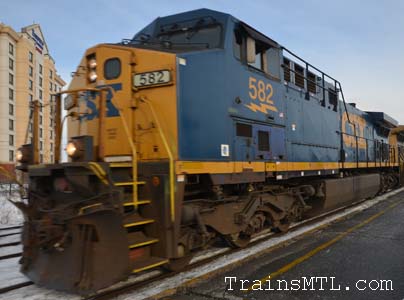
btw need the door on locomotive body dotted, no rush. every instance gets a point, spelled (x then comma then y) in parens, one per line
(268, 142)
(243, 142)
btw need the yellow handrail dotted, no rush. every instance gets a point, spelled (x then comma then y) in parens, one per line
(134, 157)
(171, 158)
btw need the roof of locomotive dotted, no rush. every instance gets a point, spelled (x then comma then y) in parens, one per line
(209, 15)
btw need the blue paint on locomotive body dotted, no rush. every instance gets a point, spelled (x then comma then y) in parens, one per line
(215, 93)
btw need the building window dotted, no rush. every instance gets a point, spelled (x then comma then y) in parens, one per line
(10, 124)
(11, 155)
(51, 134)
(51, 146)
(11, 48)
(40, 133)
(40, 120)
(11, 64)
(40, 158)
(30, 98)
(10, 78)
(11, 94)
(30, 56)
(40, 94)
(50, 86)
(30, 71)
(40, 69)
(40, 81)
(50, 74)
(11, 140)
(30, 84)
(11, 109)
(40, 145)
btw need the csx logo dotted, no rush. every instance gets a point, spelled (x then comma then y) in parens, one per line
(261, 91)
(91, 103)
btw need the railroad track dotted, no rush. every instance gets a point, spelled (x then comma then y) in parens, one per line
(266, 234)
(10, 227)
(149, 277)
(7, 239)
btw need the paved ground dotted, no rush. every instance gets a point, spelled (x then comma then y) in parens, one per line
(358, 258)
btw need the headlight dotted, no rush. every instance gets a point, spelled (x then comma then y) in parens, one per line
(24, 154)
(92, 76)
(18, 155)
(92, 63)
(71, 149)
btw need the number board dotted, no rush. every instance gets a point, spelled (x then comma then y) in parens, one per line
(151, 78)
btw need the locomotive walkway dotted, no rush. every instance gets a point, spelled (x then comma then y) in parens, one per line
(361, 257)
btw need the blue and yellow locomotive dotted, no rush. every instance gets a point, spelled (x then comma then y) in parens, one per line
(199, 128)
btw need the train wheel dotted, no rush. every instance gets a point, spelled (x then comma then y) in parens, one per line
(282, 225)
(296, 212)
(177, 264)
(238, 240)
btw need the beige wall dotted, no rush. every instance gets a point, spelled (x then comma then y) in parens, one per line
(45, 81)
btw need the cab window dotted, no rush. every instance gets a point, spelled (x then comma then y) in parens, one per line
(257, 51)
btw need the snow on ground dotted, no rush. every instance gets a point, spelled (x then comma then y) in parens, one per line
(10, 250)
(10, 272)
(10, 239)
(9, 214)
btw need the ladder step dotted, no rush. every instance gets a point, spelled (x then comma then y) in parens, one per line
(144, 242)
(136, 220)
(140, 202)
(121, 165)
(139, 223)
(129, 183)
(149, 263)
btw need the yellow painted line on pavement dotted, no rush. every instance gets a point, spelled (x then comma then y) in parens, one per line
(321, 247)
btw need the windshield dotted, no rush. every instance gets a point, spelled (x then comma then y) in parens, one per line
(206, 37)
(201, 33)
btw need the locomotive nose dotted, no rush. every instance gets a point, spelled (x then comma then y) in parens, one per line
(97, 239)
(73, 237)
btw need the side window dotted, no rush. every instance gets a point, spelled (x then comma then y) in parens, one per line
(333, 99)
(237, 44)
(286, 69)
(260, 50)
(273, 59)
(299, 76)
(263, 140)
(311, 83)
(257, 51)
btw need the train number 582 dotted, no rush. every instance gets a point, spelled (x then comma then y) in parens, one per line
(259, 89)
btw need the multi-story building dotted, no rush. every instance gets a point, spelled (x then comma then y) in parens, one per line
(27, 73)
